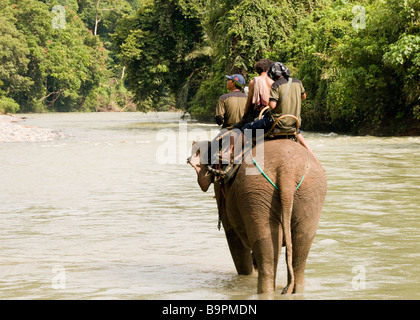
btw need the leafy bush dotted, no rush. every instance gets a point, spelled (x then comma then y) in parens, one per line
(360, 80)
(8, 105)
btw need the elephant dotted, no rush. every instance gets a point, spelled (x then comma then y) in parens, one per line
(262, 210)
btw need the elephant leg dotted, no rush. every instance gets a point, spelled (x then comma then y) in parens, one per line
(299, 262)
(303, 236)
(266, 252)
(267, 265)
(241, 255)
(301, 245)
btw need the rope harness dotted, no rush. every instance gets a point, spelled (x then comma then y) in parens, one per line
(269, 180)
(222, 173)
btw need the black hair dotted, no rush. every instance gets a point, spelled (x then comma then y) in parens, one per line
(263, 65)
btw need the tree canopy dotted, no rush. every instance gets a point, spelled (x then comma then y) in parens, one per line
(359, 60)
(51, 60)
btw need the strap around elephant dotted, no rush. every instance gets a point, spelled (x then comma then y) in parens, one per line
(268, 179)
(262, 172)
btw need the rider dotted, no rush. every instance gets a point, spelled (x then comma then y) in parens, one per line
(229, 111)
(259, 93)
(286, 97)
(258, 96)
(231, 106)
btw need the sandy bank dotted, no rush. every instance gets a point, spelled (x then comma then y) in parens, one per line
(13, 129)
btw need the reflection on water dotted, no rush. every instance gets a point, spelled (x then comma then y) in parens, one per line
(97, 216)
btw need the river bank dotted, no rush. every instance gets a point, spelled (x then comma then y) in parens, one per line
(13, 129)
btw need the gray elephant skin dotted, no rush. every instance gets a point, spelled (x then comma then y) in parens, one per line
(259, 217)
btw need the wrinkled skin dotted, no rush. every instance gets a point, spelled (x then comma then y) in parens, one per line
(258, 219)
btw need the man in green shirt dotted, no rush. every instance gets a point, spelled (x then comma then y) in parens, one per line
(286, 97)
(229, 110)
(231, 106)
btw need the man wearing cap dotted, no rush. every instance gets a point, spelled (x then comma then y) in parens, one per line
(229, 110)
(230, 107)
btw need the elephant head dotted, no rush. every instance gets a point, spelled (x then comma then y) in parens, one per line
(199, 162)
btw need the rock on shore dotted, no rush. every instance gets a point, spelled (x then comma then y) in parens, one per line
(12, 130)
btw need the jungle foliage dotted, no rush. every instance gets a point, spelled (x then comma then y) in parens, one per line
(362, 74)
(61, 66)
(358, 60)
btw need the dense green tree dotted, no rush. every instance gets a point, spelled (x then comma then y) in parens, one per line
(14, 60)
(240, 33)
(55, 67)
(102, 17)
(184, 48)
(158, 46)
(52, 62)
(359, 63)
(359, 60)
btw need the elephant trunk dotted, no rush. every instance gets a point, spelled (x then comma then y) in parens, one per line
(203, 176)
(204, 179)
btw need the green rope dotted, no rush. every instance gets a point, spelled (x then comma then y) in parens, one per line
(300, 182)
(265, 176)
(262, 172)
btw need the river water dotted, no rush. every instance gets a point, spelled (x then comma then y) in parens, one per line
(114, 212)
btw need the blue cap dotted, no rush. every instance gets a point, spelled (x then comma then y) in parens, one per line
(239, 79)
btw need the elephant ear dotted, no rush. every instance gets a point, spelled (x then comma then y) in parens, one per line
(195, 149)
(199, 149)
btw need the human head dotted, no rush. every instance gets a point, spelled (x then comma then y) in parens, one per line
(237, 79)
(263, 65)
(277, 70)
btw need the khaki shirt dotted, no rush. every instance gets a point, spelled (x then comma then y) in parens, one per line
(292, 104)
(231, 107)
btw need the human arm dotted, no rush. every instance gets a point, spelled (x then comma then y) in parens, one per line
(303, 94)
(220, 112)
(274, 97)
(219, 120)
(250, 94)
(272, 104)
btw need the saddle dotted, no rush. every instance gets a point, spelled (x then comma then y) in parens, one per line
(278, 132)
(228, 171)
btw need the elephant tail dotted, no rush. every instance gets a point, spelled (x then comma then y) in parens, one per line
(287, 232)
(287, 195)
